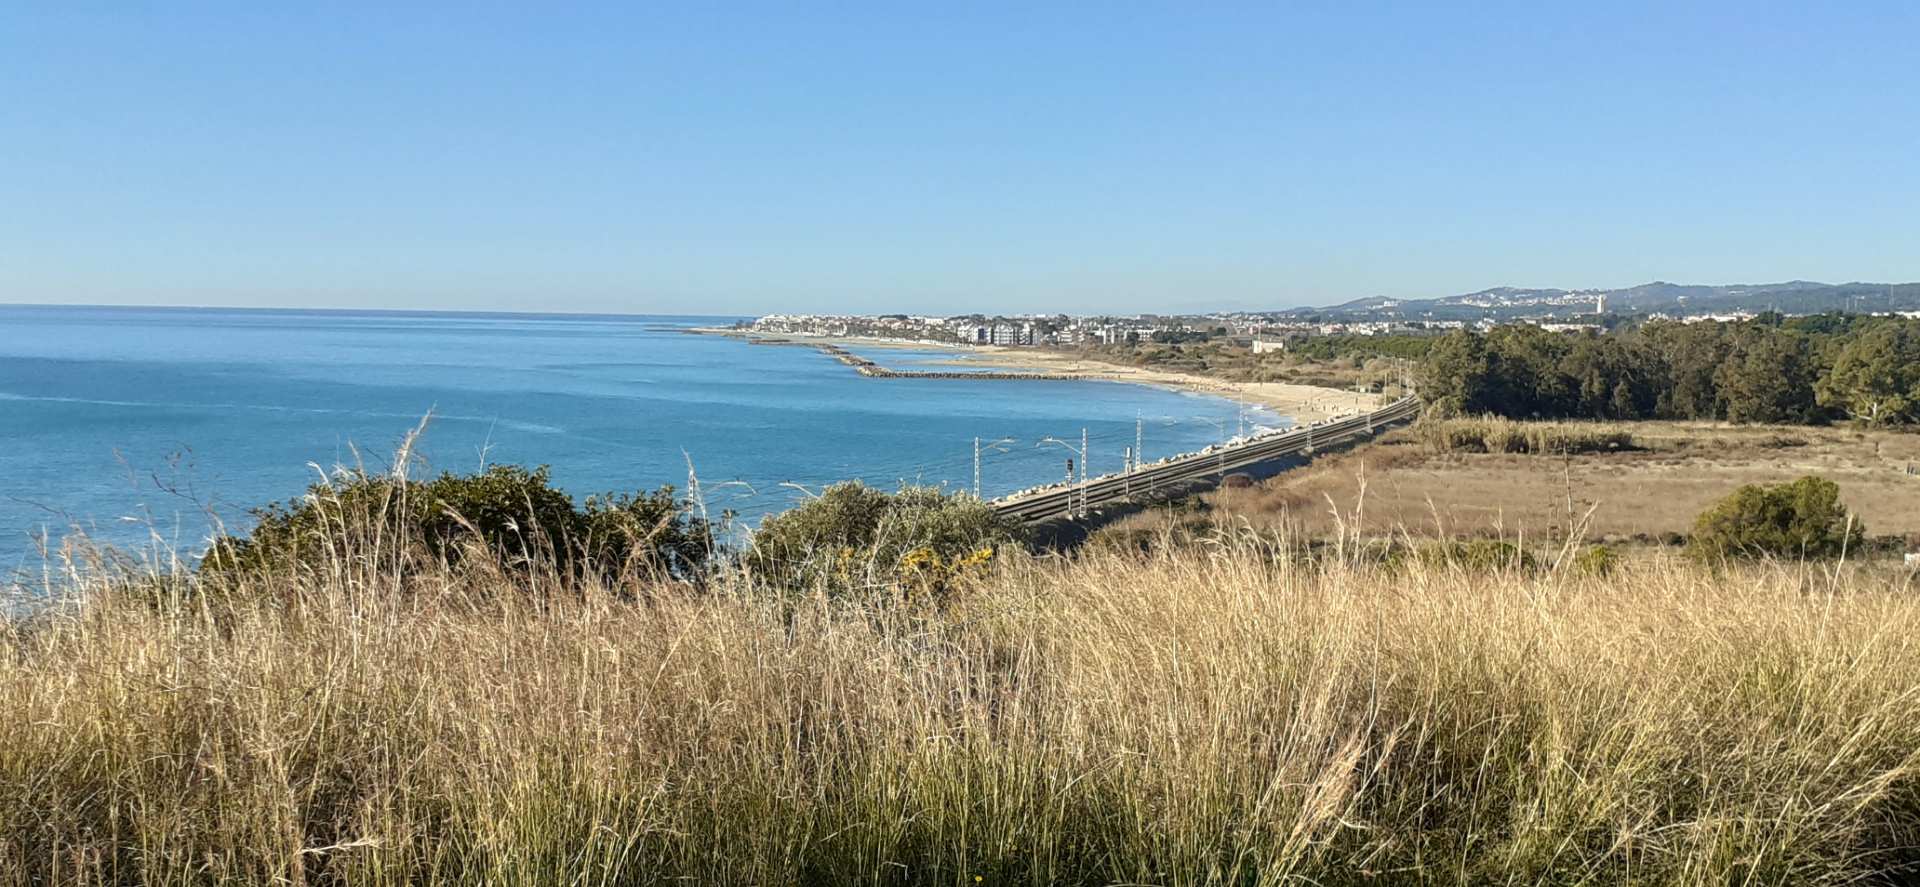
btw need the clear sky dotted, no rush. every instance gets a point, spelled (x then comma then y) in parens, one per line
(945, 157)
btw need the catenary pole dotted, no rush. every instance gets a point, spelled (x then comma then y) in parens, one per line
(976, 468)
(1083, 471)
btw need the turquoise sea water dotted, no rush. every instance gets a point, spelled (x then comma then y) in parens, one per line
(135, 423)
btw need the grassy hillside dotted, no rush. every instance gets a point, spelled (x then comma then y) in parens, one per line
(1222, 715)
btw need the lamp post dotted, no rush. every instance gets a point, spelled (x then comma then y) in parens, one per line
(1139, 442)
(1220, 455)
(996, 446)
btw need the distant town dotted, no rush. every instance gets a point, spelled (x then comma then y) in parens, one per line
(1064, 330)
(1557, 310)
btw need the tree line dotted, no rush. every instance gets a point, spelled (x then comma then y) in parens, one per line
(1772, 369)
(1401, 345)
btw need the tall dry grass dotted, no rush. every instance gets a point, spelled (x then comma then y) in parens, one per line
(1225, 715)
(1497, 434)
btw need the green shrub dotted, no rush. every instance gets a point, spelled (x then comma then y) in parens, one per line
(1596, 560)
(1477, 556)
(1802, 519)
(506, 512)
(856, 539)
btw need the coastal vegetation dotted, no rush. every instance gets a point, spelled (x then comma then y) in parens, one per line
(1639, 483)
(473, 679)
(506, 515)
(1237, 713)
(1345, 362)
(1495, 434)
(1802, 519)
(854, 540)
(850, 540)
(1771, 369)
(1804, 370)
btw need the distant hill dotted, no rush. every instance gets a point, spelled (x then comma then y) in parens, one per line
(1658, 297)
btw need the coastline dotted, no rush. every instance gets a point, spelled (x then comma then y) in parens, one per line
(804, 339)
(1301, 403)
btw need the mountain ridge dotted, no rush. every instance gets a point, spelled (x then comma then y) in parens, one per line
(1654, 297)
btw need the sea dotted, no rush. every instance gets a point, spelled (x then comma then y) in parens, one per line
(144, 428)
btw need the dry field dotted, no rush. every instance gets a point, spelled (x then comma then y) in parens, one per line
(1677, 472)
(1229, 716)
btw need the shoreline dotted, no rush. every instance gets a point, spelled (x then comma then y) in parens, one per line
(1302, 403)
(804, 339)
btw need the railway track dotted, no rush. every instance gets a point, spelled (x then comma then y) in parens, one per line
(1119, 487)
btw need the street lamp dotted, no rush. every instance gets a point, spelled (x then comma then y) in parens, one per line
(997, 446)
(808, 493)
(1220, 454)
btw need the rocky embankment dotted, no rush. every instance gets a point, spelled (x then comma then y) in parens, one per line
(870, 369)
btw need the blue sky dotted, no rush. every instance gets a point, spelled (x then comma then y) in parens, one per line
(745, 158)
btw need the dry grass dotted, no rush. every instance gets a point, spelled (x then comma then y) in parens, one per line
(1495, 434)
(1221, 716)
(1676, 471)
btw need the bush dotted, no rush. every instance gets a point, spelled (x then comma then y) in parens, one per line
(856, 539)
(1596, 560)
(1802, 519)
(1477, 556)
(507, 513)
(1492, 434)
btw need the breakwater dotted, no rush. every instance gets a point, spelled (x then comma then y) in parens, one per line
(873, 370)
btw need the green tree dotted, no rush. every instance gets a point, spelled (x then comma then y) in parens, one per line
(1802, 519)
(1831, 323)
(1768, 376)
(1454, 377)
(1527, 373)
(1617, 379)
(1876, 376)
(1690, 355)
(1758, 371)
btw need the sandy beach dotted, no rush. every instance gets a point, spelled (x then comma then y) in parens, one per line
(1304, 403)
